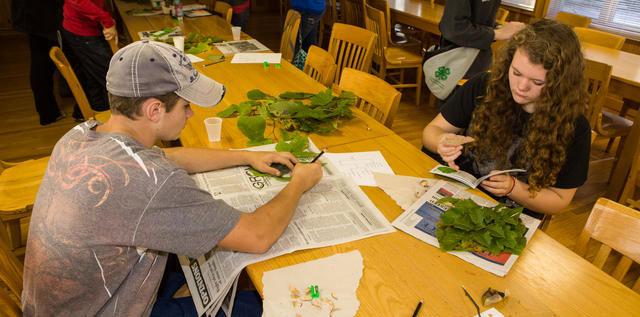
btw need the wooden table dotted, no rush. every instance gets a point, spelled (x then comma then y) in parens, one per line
(421, 14)
(625, 82)
(400, 270)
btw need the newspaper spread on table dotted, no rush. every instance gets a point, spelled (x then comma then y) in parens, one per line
(334, 211)
(421, 218)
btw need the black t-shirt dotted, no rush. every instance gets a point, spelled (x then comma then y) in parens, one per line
(458, 111)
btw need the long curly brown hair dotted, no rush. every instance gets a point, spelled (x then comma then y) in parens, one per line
(551, 127)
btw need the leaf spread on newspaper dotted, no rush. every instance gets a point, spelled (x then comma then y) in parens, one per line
(421, 220)
(334, 211)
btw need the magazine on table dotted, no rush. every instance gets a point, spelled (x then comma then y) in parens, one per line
(242, 46)
(421, 220)
(467, 178)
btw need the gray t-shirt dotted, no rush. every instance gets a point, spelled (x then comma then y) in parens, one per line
(107, 213)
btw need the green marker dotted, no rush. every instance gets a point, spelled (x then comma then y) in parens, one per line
(277, 66)
(265, 65)
(313, 289)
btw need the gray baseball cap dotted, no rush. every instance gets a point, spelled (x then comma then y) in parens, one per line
(148, 68)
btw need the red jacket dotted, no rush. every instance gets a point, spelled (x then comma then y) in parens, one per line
(86, 17)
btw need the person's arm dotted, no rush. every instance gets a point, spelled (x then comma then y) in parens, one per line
(256, 232)
(549, 200)
(195, 160)
(434, 134)
(93, 11)
(457, 26)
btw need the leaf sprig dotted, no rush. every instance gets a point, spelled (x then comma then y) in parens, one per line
(466, 226)
(294, 111)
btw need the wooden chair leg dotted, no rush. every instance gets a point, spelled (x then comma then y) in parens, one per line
(418, 85)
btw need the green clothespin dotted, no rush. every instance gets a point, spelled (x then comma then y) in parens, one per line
(313, 289)
(277, 66)
(265, 65)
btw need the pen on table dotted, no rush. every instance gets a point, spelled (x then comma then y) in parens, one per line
(417, 310)
(317, 157)
(216, 62)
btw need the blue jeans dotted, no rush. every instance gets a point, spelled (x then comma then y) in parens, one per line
(247, 303)
(309, 24)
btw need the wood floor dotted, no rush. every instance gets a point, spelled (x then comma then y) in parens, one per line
(21, 136)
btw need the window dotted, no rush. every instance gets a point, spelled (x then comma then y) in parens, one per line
(616, 16)
(527, 5)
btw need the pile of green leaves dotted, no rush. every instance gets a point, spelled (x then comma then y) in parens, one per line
(194, 42)
(315, 113)
(466, 226)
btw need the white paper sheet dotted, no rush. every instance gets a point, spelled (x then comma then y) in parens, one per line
(337, 278)
(490, 313)
(194, 59)
(359, 166)
(256, 58)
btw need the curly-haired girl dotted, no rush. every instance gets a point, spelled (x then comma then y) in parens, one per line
(527, 112)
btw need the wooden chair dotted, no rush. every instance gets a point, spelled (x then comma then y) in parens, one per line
(618, 228)
(224, 10)
(628, 196)
(290, 35)
(573, 20)
(598, 37)
(10, 279)
(19, 184)
(501, 16)
(604, 123)
(352, 12)
(61, 62)
(388, 57)
(320, 66)
(378, 99)
(351, 47)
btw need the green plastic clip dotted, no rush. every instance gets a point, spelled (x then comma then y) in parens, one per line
(277, 66)
(313, 289)
(265, 65)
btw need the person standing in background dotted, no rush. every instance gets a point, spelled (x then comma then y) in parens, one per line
(471, 23)
(86, 28)
(40, 20)
(311, 12)
(241, 10)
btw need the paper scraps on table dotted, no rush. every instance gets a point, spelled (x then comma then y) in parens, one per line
(337, 278)
(404, 190)
(256, 58)
(360, 166)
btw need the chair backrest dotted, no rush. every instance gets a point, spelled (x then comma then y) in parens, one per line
(501, 16)
(224, 10)
(352, 12)
(290, 35)
(573, 20)
(382, 5)
(320, 66)
(376, 23)
(61, 62)
(632, 183)
(377, 98)
(597, 77)
(351, 47)
(598, 37)
(617, 227)
(11, 276)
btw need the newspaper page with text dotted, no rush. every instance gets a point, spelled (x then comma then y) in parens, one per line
(335, 211)
(421, 219)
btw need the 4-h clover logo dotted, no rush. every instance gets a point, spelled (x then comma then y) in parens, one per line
(443, 72)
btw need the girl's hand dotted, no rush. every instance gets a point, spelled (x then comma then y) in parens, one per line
(499, 185)
(449, 153)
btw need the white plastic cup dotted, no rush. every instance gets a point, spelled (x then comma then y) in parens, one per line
(156, 4)
(235, 30)
(214, 128)
(178, 42)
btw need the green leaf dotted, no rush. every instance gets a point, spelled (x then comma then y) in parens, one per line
(253, 128)
(257, 94)
(446, 169)
(295, 95)
(285, 108)
(245, 107)
(231, 110)
(322, 98)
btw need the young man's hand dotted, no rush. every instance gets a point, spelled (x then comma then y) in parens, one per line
(262, 161)
(306, 175)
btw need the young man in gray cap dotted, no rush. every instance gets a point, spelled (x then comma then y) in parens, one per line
(112, 206)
